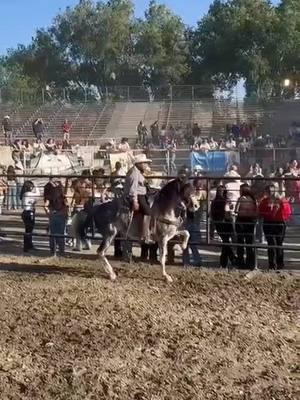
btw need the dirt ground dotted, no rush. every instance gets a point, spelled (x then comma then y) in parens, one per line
(68, 333)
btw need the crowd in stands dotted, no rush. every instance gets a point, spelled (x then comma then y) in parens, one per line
(242, 137)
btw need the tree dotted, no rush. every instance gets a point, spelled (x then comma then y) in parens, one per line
(161, 49)
(88, 44)
(248, 39)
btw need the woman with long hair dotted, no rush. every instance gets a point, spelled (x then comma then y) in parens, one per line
(29, 195)
(246, 217)
(222, 219)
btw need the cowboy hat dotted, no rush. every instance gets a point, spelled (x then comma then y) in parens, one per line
(141, 158)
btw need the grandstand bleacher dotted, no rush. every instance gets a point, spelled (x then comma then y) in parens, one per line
(93, 122)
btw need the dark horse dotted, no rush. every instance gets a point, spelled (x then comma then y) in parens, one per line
(115, 216)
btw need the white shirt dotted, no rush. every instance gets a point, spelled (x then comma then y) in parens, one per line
(135, 183)
(231, 144)
(30, 199)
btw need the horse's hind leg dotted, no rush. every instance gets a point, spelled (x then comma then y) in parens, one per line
(186, 237)
(107, 239)
(163, 249)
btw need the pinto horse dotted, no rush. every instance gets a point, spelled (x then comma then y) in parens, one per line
(169, 210)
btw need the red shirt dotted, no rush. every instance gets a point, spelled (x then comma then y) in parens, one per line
(66, 127)
(280, 211)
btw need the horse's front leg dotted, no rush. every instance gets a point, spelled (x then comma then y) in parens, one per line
(107, 239)
(186, 237)
(163, 249)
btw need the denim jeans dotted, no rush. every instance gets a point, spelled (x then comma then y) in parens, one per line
(12, 195)
(18, 193)
(195, 236)
(57, 227)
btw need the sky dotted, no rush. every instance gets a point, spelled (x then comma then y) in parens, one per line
(21, 18)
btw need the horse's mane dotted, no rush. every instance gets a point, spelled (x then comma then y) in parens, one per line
(169, 196)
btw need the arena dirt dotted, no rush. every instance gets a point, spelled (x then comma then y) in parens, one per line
(68, 333)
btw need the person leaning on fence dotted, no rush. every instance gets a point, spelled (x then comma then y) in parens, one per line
(275, 212)
(246, 217)
(222, 218)
(29, 196)
(57, 210)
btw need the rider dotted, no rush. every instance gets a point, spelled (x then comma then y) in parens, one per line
(135, 189)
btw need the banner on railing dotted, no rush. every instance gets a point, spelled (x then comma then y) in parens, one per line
(214, 161)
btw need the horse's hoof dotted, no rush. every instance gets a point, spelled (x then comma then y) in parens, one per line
(168, 278)
(113, 277)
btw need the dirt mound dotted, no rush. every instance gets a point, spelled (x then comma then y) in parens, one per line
(68, 333)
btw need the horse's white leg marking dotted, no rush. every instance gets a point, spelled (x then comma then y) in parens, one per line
(163, 248)
(107, 242)
(186, 237)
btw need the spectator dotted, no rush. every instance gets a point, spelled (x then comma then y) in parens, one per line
(196, 132)
(66, 127)
(38, 147)
(26, 153)
(204, 146)
(38, 128)
(12, 188)
(51, 146)
(222, 221)
(19, 171)
(117, 184)
(222, 145)
(246, 212)
(57, 210)
(244, 145)
(213, 144)
(235, 130)
(3, 190)
(245, 131)
(124, 146)
(7, 130)
(29, 195)
(233, 186)
(275, 212)
(171, 155)
(154, 129)
(230, 144)
(192, 225)
(142, 133)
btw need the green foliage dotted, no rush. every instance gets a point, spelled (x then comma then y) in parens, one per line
(100, 44)
(248, 39)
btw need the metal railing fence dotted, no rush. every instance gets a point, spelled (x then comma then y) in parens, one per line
(290, 242)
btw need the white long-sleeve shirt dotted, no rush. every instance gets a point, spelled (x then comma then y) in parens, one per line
(30, 199)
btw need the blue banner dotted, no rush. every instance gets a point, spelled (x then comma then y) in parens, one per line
(214, 161)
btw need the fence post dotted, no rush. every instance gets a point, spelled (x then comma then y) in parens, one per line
(85, 96)
(171, 93)
(128, 93)
(93, 201)
(193, 93)
(43, 95)
(207, 211)
(64, 94)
